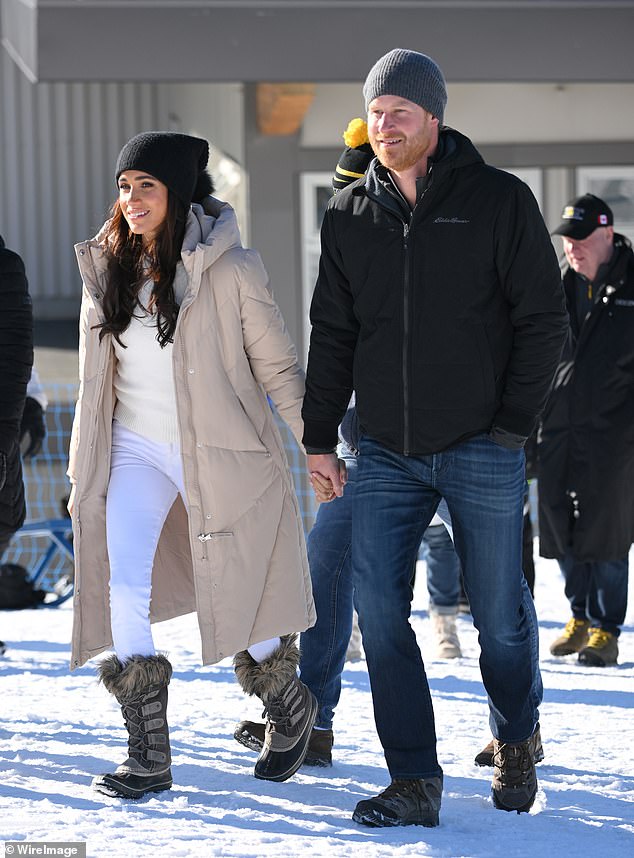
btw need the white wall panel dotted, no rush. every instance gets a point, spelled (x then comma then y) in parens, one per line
(58, 145)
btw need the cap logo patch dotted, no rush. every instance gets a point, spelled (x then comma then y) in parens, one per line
(572, 213)
(603, 220)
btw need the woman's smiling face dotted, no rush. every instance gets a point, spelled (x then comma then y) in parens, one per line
(143, 203)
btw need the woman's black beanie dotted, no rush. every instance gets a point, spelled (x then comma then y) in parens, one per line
(177, 160)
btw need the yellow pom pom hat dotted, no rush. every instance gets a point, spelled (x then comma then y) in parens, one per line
(355, 158)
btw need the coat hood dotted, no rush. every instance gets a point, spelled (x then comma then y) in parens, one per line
(211, 228)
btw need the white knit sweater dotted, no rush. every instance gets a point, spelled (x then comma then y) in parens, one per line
(144, 380)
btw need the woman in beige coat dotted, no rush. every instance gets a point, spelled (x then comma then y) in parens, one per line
(182, 499)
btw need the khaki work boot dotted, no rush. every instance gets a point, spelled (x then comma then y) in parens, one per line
(485, 757)
(601, 650)
(573, 639)
(445, 634)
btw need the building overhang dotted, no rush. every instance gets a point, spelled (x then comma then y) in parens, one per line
(317, 40)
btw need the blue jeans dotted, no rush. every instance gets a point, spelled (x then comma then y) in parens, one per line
(443, 569)
(323, 647)
(597, 591)
(394, 500)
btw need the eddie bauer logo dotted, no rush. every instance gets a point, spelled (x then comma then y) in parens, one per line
(450, 220)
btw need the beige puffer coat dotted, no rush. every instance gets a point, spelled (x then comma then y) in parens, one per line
(239, 557)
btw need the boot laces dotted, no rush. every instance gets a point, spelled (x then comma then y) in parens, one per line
(401, 791)
(513, 763)
(599, 638)
(133, 719)
(573, 626)
(279, 710)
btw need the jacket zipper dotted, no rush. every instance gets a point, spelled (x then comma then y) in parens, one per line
(406, 326)
(406, 315)
(406, 300)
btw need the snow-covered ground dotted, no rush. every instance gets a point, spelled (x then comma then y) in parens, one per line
(57, 730)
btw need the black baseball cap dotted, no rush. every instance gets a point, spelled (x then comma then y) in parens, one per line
(582, 216)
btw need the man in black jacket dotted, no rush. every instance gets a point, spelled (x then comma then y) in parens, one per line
(16, 360)
(586, 450)
(439, 301)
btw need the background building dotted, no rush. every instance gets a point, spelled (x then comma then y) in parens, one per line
(543, 88)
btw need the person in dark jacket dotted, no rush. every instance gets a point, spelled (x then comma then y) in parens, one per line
(586, 449)
(16, 360)
(439, 302)
(325, 648)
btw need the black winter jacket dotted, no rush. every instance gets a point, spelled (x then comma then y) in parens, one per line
(586, 442)
(16, 360)
(445, 323)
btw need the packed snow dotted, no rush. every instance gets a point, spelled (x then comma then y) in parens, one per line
(58, 730)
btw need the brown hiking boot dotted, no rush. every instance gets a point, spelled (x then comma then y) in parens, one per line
(602, 649)
(573, 639)
(514, 785)
(405, 802)
(485, 757)
(251, 735)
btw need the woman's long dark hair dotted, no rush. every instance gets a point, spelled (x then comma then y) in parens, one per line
(132, 263)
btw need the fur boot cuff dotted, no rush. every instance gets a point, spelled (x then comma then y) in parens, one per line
(267, 678)
(126, 680)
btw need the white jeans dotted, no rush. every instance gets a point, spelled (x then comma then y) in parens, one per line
(145, 478)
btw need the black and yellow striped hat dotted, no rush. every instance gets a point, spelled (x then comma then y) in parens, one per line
(355, 158)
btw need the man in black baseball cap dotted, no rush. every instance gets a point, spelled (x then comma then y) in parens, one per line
(586, 450)
(582, 216)
(588, 238)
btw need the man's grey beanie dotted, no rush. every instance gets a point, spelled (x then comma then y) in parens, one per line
(410, 75)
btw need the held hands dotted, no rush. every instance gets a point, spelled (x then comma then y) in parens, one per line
(327, 476)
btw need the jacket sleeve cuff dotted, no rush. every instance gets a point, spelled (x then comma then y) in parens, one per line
(514, 421)
(320, 436)
(510, 440)
(318, 451)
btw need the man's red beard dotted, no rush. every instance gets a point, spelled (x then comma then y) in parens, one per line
(405, 154)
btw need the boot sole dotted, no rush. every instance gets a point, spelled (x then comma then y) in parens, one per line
(375, 819)
(248, 740)
(567, 651)
(278, 777)
(591, 659)
(523, 809)
(112, 786)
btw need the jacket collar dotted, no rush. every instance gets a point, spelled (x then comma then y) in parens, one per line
(454, 150)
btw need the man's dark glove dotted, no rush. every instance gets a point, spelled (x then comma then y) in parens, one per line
(3, 469)
(32, 428)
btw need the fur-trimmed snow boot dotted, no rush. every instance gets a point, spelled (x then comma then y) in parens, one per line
(140, 687)
(290, 708)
